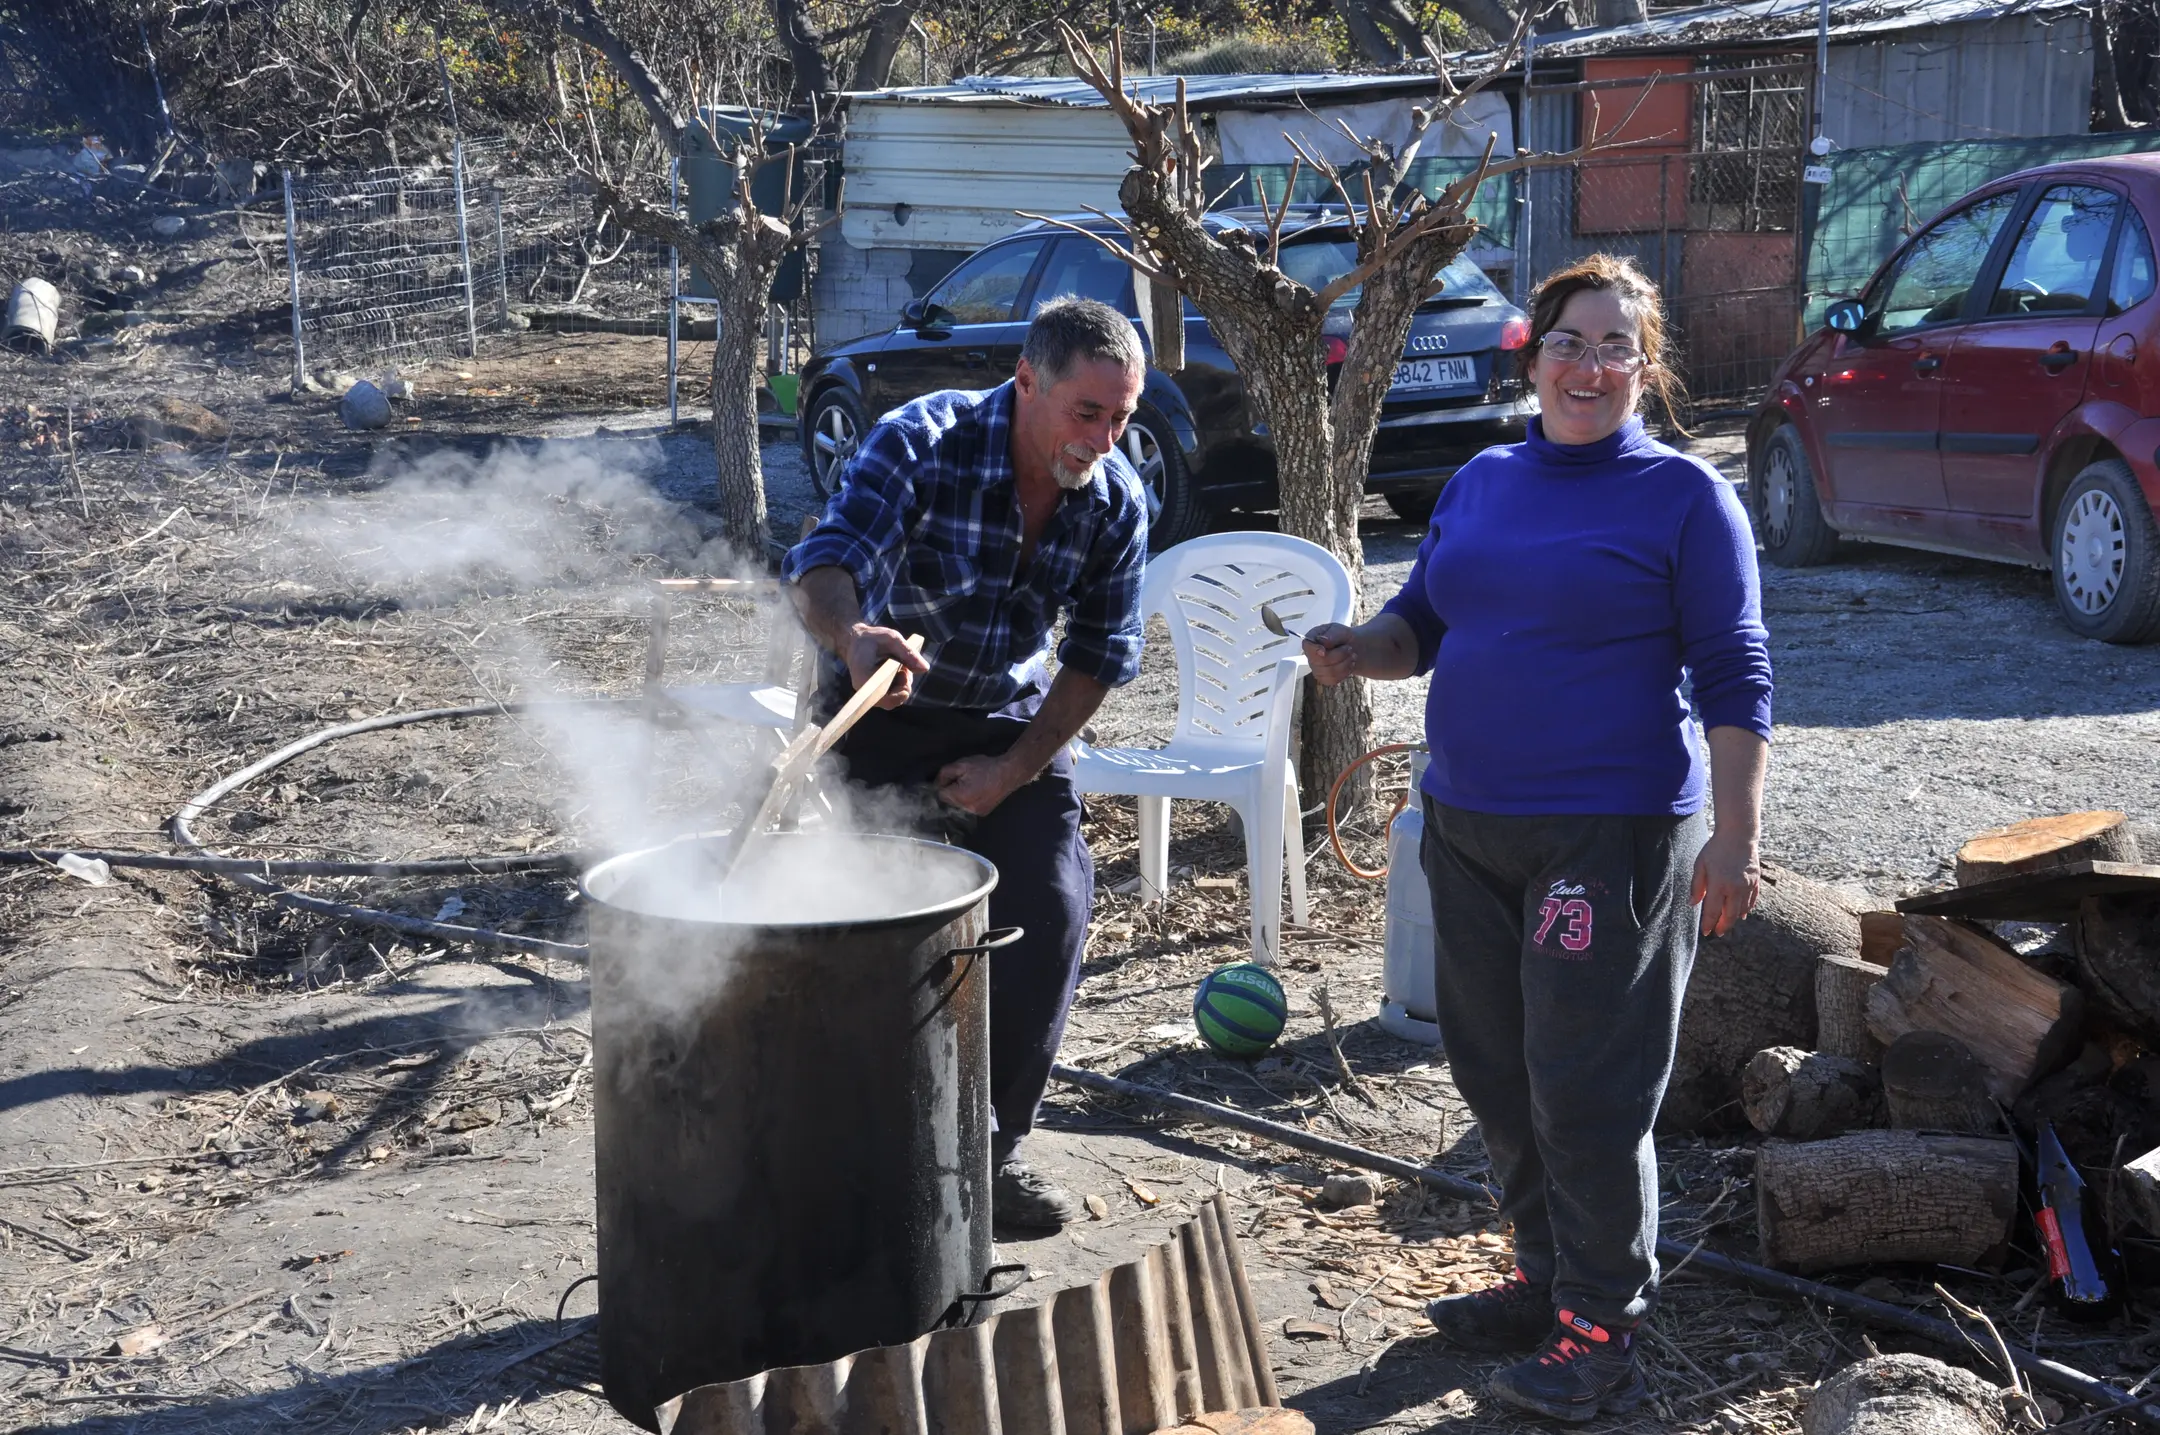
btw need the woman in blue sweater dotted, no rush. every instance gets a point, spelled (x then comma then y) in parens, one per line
(1568, 590)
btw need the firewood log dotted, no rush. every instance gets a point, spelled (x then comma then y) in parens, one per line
(1884, 1196)
(1955, 979)
(1933, 1082)
(2042, 842)
(1904, 1395)
(1753, 988)
(1804, 1095)
(2117, 940)
(2141, 1189)
(1881, 934)
(1842, 985)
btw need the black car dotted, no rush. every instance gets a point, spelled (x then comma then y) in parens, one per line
(1195, 440)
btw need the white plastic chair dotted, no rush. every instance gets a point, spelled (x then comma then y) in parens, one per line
(1236, 684)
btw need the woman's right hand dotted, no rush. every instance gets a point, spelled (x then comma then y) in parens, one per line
(1331, 649)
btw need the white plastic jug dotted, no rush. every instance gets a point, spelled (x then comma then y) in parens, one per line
(1408, 1008)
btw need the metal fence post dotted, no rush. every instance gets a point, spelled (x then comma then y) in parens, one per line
(292, 266)
(502, 259)
(674, 290)
(464, 239)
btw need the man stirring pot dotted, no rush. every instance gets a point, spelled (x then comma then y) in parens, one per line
(977, 519)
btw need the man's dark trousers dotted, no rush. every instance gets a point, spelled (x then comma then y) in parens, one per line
(1564, 947)
(1046, 880)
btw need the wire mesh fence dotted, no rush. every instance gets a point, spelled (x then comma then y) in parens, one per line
(422, 262)
(1878, 198)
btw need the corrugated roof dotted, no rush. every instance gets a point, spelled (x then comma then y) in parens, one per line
(1785, 21)
(1201, 91)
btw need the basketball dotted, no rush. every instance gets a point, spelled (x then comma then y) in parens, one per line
(1240, 1009)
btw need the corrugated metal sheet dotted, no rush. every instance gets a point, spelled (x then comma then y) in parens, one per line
(1787, 22)
(962, 172)
(1204, 92)
(1983, 80)
(1146, 1345)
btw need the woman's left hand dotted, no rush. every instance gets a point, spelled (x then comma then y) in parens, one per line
(1728, 879)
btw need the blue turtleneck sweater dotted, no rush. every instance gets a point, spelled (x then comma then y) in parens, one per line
(1561, 597)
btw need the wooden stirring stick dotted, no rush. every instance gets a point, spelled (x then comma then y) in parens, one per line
(813, 742)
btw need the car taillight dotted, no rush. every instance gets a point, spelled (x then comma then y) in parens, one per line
(1515, 333)
(1334, 349)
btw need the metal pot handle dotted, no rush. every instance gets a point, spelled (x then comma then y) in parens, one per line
(993, 939)
(967, 1307)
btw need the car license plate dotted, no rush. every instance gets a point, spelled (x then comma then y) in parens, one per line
(1434, 373)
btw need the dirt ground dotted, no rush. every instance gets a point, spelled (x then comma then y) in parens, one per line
(267, 1170)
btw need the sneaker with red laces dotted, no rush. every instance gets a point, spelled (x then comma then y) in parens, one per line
(1584, 1370)
(1513, 1315)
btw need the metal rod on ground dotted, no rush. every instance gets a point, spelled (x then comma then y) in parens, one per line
(292, 264)
(502, 259)
(2056, 1376)
(464, 244)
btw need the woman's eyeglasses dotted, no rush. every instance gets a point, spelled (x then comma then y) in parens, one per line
(1567, 349)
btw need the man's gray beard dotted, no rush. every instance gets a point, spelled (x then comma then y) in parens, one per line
(1070, 479)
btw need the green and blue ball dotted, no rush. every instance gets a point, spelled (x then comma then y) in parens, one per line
(1240, 1009)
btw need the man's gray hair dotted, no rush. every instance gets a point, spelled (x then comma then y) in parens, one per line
(1068, 331)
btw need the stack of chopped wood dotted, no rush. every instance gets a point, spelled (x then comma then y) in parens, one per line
(1889, 1054)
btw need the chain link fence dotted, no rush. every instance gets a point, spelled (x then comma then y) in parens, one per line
(1878, 198)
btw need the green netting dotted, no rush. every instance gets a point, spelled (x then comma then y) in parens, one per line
(1877, 198)
(1493, 207)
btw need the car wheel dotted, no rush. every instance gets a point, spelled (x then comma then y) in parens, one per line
(1413, 508)
(831, 434)
(2107, 556)
(1175, 512)
(1788, 510)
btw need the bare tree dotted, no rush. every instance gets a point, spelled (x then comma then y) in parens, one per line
(1270, 324)
(740, 251)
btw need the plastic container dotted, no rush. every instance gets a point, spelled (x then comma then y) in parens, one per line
(1408, 1007)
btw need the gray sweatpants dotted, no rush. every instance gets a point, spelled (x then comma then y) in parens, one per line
(1563, 950)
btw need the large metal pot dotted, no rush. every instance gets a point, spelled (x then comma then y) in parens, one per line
(791, 1108)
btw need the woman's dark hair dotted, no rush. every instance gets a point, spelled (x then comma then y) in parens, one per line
(1639, 297)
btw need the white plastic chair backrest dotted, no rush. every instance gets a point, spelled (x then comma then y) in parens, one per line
(1209, 590)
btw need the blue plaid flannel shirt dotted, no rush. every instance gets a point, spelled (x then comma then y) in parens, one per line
(927, 519)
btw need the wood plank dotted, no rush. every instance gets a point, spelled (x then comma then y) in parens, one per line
(2050, 896)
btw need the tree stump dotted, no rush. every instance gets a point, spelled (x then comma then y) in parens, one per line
(1933, 1082)
(1958, 980)
(1884, 1196)
(1753, 988)
(2117, 940)
(1904, 1395)
(1842, 984)
(2043, 842)
(1804, 1095)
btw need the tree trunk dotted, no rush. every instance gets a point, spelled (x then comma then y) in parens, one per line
(1805, 1095)
(881, 48)
(1753, 988)
(1933, 1082)
(805, 50)
(2108, 110)
(1365, 33)
(1884, 1196)
(2118, 960)
(2043, 842)
(1904, 1395)
(739, 463)
(1958, 980)
(1842, 985)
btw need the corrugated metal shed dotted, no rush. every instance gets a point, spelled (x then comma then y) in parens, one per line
(962, 171)
(1981, 80)
(1784, 24)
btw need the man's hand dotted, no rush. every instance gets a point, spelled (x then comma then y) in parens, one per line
(978, 784)
(1728, 879)
(867, 647)
(1331, 648)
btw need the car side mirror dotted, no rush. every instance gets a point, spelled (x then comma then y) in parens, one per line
(915, 314)
(1846, 316)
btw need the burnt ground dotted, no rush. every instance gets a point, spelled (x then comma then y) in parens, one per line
(264, 1169)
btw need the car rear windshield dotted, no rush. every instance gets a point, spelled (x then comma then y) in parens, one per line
(1316, 263)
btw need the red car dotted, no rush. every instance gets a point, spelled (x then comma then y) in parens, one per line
(1994, 392)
